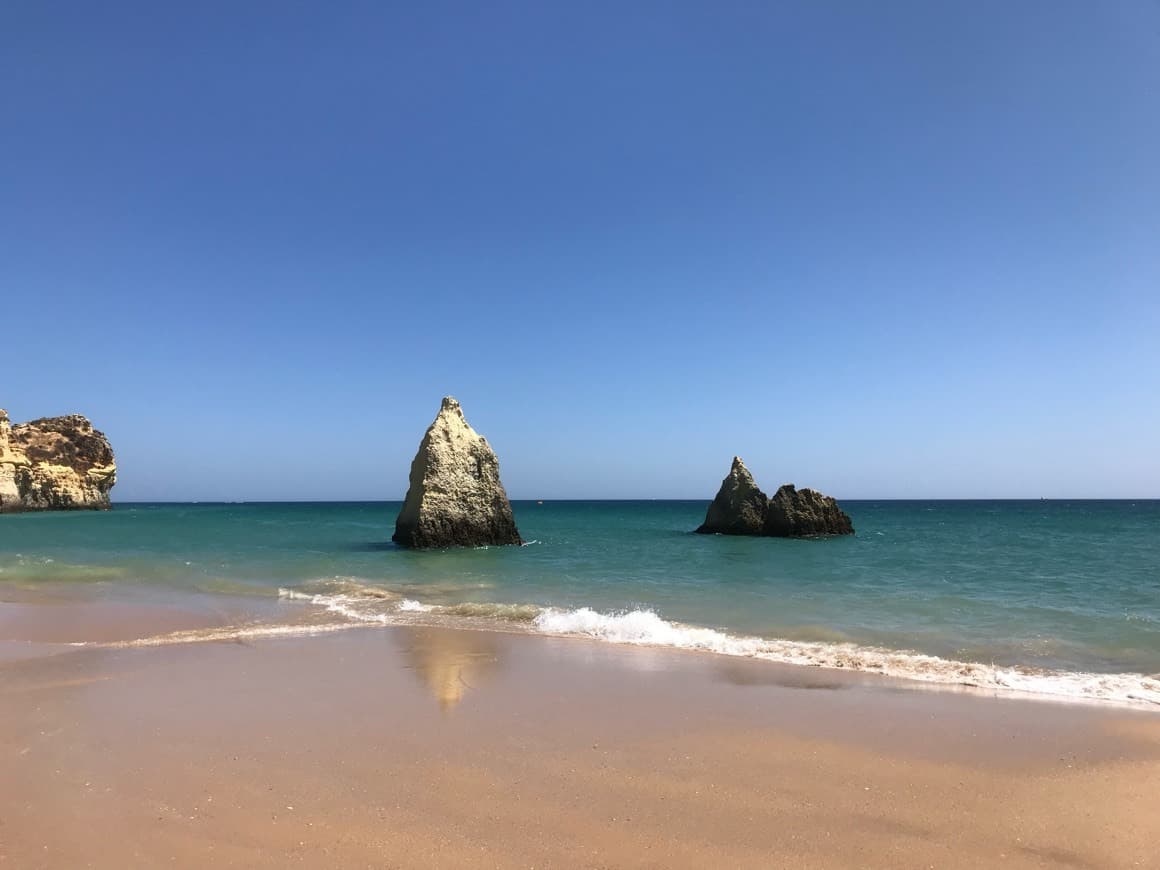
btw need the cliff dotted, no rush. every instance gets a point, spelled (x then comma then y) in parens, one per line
(455, 498)
(55, 463)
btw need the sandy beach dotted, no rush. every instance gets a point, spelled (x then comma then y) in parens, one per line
(687, 436)
(433, 747)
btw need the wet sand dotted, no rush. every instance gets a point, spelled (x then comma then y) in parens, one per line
(431, 747)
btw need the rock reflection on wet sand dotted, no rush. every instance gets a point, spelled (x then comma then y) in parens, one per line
(450, 663)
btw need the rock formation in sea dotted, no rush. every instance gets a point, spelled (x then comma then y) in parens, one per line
(739, 508)
(55, 463)
(455, 497)
(804, 513)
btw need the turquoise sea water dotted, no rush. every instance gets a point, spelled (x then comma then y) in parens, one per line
(1062, 595)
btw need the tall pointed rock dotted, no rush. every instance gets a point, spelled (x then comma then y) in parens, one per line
(455, 497)
(739, 508)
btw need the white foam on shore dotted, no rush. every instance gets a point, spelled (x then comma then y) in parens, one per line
(358, 608)
(408, 605)
(294, 595)
(647, 628)
(225, 633)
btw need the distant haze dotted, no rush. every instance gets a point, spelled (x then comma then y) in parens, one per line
(884, 250)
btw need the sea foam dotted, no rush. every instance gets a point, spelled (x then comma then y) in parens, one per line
(224, 633)
(646, 628)
(643, 627)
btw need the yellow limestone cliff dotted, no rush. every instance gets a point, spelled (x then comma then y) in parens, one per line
(55, 463)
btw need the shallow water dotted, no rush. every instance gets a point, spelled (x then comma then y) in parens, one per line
(1048, 594)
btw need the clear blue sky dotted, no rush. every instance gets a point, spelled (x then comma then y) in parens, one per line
(896, 249)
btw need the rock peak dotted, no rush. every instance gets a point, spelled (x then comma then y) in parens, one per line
(739, 508)
(455, 497)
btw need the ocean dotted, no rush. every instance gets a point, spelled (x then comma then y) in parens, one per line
(1054, 598)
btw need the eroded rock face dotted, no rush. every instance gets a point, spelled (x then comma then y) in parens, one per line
(55, 463)
(455, 498)
(804, 513)
(739, 508)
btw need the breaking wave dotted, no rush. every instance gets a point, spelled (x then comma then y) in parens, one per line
(646, 628)
(349, 604)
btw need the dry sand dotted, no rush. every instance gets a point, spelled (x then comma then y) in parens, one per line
(427, 747)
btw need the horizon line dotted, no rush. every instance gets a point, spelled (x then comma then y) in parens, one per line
(632, 499)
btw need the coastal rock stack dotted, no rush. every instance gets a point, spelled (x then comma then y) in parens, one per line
(55, 463)
(804, 513)
(741, 508)
(455, 498)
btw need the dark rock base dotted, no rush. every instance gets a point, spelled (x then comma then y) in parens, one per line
(436, 533)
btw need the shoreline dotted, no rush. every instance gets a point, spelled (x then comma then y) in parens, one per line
(426, 746)
(1008, 599)
(163, 617)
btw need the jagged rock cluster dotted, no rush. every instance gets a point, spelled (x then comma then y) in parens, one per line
(455, 498)
(741, 508)
(56, 463)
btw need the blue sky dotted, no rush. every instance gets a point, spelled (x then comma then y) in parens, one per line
(899, 249)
